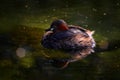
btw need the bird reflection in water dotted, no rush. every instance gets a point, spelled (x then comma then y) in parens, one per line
(75, 40)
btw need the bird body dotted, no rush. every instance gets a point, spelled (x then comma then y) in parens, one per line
(73, 39)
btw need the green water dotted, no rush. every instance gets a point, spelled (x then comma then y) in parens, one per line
(25, 23)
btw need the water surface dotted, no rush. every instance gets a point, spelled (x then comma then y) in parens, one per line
(22, 26)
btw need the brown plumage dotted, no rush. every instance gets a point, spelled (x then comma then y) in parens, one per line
(73, 39)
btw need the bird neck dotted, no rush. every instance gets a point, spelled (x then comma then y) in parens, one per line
(63, 27)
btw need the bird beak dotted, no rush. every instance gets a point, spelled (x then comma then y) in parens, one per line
(49, 29)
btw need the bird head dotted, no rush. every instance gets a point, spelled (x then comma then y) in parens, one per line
(58, 25)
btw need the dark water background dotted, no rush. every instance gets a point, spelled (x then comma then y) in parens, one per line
(22, 23)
